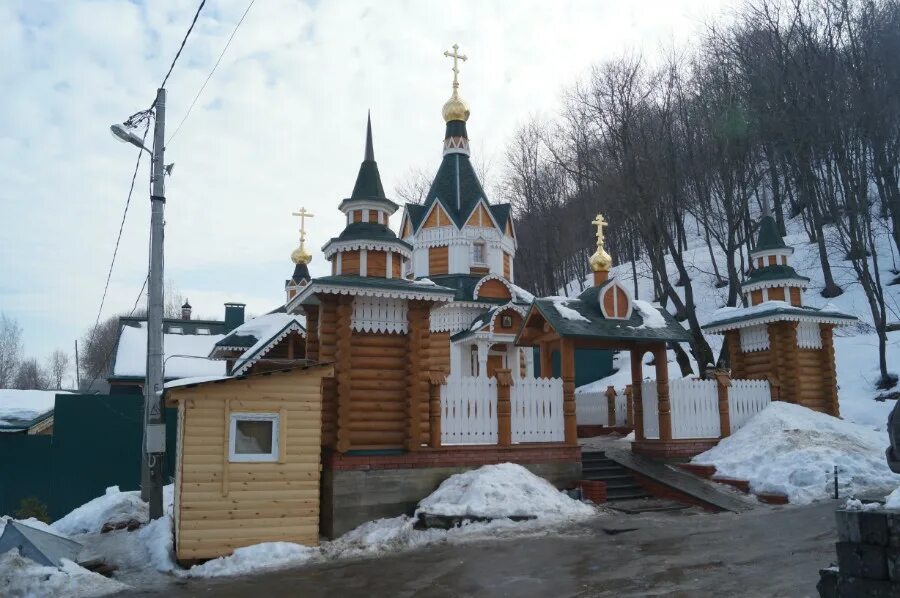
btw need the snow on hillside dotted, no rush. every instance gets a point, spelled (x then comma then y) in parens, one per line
(856, 348)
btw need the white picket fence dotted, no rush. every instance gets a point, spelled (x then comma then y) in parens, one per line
(469, 410)
(746, 398)
(651, 409)
(537, 410)
(591, 409)
(621, 408)
(695, 408)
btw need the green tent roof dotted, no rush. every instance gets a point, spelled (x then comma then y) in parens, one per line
(777, 272)
(768, 237)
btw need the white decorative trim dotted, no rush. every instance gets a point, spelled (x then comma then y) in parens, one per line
(456, 145)
(506, 283)
(243, 366)
(330, 248)
(484, 335)
(270, 457)
(360, 291)
(365, 214)
(770, 284)
(768, 319)
(389, 265)
(339, 264)
(455, 317)
(363, 262)
(754, 338)
(809, 335)
(615, 284)
(519, 310)
(376, 314)
(363, 204)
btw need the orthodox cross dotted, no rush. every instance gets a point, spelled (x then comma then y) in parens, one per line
(600, 222)
(303, 214)
(456, 56)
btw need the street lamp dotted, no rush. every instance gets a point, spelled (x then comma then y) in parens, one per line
(126, 135)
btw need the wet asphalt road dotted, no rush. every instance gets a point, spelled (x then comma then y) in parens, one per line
(766, 552)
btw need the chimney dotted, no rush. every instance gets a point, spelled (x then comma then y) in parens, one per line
(186, 310)
(234, 316)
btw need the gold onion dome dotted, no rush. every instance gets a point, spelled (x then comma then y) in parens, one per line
(455, 109)
(600, 261)
(301, 256)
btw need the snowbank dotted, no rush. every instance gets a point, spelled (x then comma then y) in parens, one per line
(254, 559)
(114, 507)
(497, 491)
(892, 500)
(23, 577)
(791, 450)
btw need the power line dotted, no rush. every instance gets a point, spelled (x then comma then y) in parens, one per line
(181, 47)
(112, 262)
(208, 77)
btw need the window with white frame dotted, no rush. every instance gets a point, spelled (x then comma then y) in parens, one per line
(479, 255)
(253, 437)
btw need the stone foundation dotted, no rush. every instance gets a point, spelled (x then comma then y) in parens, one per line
(589, 431)
(673, 450)
(362, 487)
(868, 555)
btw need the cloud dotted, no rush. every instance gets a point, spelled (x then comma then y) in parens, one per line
(279, 126)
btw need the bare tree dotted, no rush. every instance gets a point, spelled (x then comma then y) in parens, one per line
(57, 367)
(10, 349)
(31, 376)
(97, 347)
(174, 300)
(413, 186)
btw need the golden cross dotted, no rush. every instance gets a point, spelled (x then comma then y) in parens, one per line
(599, 222)
(303, 214)
(456, 56)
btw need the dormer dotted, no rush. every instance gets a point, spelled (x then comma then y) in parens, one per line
(615, 301)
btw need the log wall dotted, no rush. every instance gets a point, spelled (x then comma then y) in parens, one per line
(377, 382)
(376, 263)
(221, 505)
(439, 351)
(350, 262)
(312, 332)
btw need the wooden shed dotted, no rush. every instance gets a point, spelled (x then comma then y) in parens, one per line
(248, 457)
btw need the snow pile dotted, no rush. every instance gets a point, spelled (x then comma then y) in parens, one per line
(157, 539)
(854, 504)
(112, 507)
(791, 450)
(892, 500)
(652, 317)
(498, 491)
(521, 294)
(254, 559)
(22, 406)
(425, 281)
(25, 578)
(559, 303)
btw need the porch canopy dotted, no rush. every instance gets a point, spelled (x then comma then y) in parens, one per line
(604, 317)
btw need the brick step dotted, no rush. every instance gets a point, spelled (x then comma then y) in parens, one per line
(594, 458)
(618, 477)
(771, 498)
(742, 485)
(625, 493)
(703, 471)
(610, 469)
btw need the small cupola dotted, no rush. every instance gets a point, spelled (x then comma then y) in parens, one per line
(186, 310)
(771, 277)
(456, 111)
(301, 258)
(367, 246)
(601, 261)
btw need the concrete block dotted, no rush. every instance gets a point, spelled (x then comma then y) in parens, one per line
(855, 587)
(847, 523)
(828, 583)
(862, 560)
(873, 527)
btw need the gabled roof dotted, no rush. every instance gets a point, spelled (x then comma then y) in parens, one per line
(501, 212)
(270, 330)
(22, 409)
(185, 354)
(582, 317)
(464, 287)
(372, 286)
(416, 214)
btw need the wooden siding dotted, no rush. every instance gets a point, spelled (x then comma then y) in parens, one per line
(480, 217)
(513, 328)
(376, 263)
(776, 294)
(796, 297)
(756, 297)
(507, 263)
(357, 215)
(439, 355)
(350, 262)
(509, 229)
(223, 505)
(494, 289)
(438, 260)
(373, 216)
(407, 229)
(293, 346)
(377, 390)
(437, 217)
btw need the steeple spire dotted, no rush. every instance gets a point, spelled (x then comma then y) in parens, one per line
(370, 150)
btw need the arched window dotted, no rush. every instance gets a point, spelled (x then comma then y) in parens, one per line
(479, 252)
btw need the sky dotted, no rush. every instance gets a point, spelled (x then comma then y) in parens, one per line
(280, 126)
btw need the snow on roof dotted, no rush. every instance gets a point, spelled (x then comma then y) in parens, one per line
(725, 315)
(559, 303)
(19, 407)
(194, 380)
(650, 314)
(267, 329)
(522, 294)
(131, 354)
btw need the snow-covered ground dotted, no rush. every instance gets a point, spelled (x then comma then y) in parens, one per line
(856, 348)
(144, 558)
(789, 449)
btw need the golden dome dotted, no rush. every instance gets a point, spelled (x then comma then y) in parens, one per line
(600, 261)
(300, 255)
(455, 109)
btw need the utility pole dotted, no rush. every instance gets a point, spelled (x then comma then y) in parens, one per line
(154, 415)
(77, 368)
